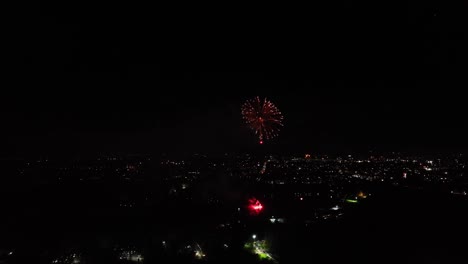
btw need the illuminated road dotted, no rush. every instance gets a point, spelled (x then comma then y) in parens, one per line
(259, 249)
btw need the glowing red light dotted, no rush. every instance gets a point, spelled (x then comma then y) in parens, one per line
(255, 207)
(301, 198)
(261, 142)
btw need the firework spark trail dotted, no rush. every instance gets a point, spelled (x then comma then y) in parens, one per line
(263, 117)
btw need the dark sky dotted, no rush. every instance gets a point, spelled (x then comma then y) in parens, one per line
(351, 76)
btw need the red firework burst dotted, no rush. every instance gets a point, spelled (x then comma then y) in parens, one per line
(263, 117)
(255, 207)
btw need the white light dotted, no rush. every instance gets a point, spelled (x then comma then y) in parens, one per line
(11, 253)
(254, 236)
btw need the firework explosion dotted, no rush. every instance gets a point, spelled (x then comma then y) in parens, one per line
(255, 207)
(263, 117)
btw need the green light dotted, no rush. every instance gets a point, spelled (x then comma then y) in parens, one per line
(263, 256)
(259, 248)
(351, 201)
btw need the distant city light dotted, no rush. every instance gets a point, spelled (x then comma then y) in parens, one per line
(260, 248)
(199, 254)
(69, 259)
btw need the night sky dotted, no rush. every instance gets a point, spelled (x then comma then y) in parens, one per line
(133, 79)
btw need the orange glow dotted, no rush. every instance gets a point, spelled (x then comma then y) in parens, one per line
(362, 195)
